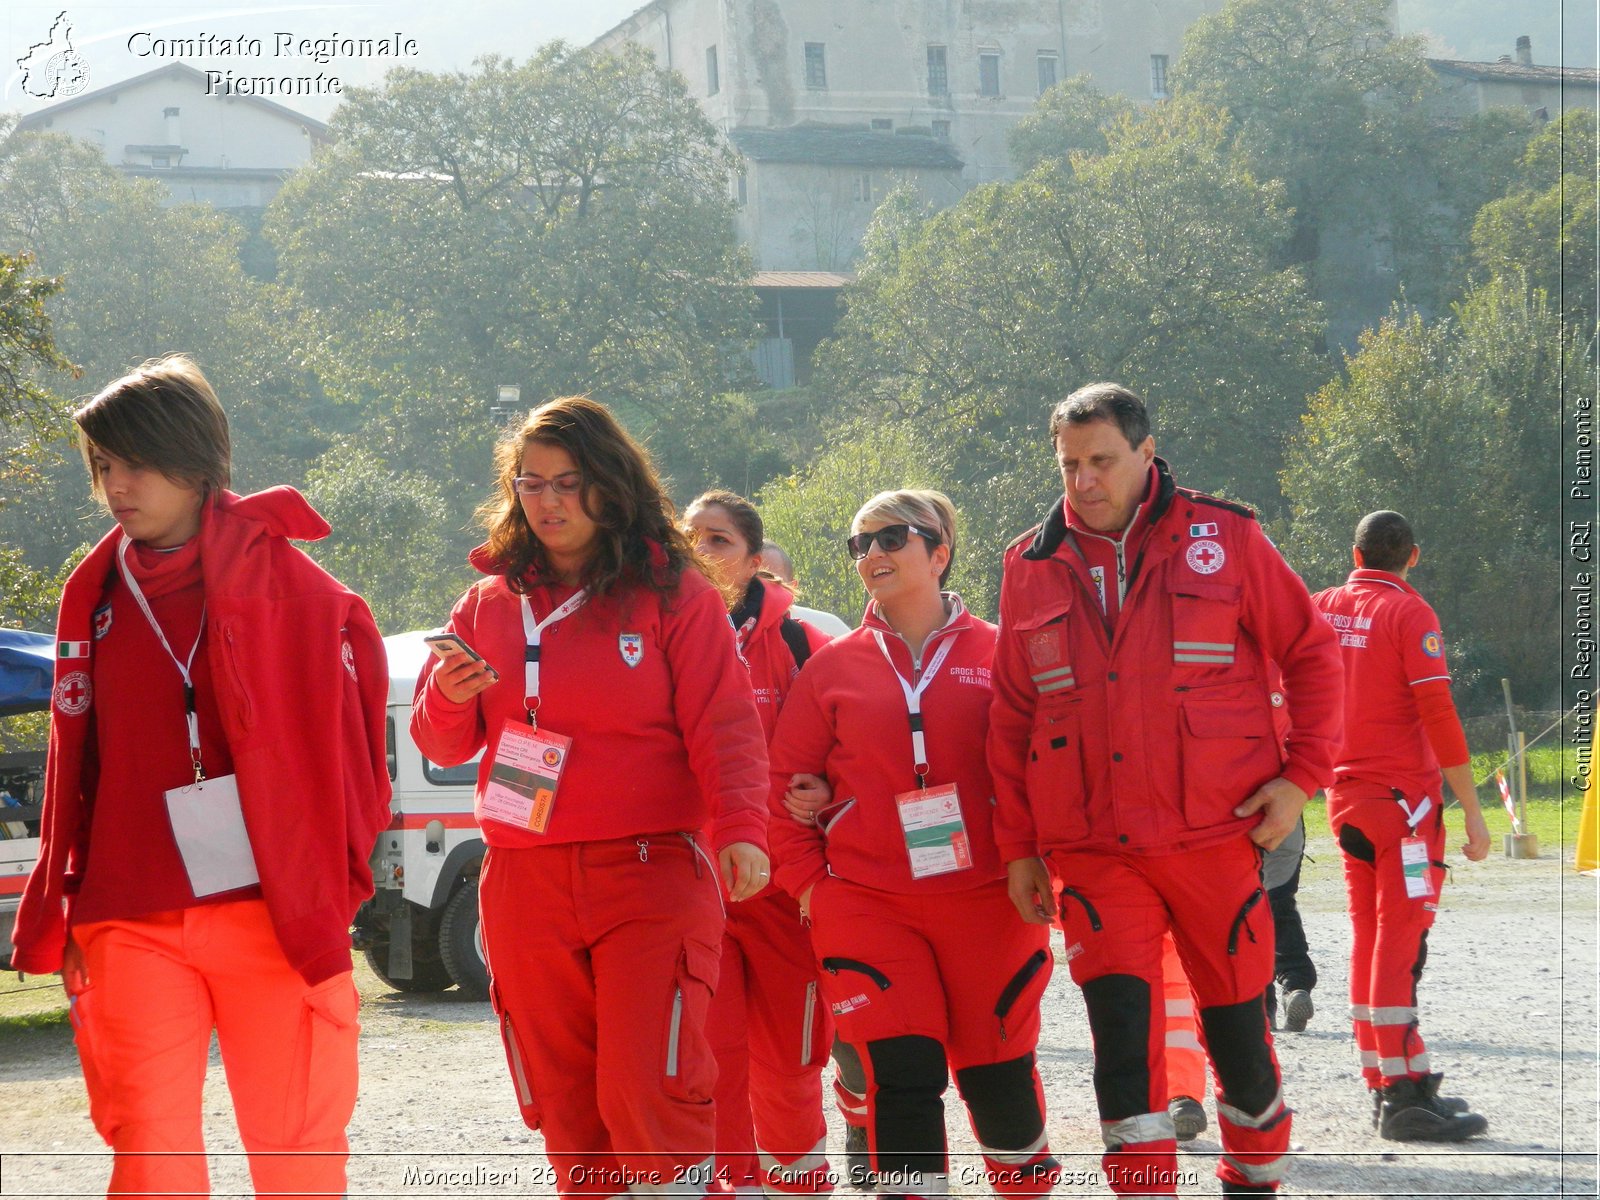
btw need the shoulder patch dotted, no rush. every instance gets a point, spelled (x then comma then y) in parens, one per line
(1433, 644)
(1242, 510)
(1023, 538)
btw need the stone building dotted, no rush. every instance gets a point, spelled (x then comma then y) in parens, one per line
(1516, 82)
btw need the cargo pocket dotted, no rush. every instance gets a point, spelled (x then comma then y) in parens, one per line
(1029, 982)
(689, 1070)
(1053, 774)
(516, 1061)
(1228, 752)
(1205, 626)
(322, 1081)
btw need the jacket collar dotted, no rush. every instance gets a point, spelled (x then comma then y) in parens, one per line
(1158, 499)
(1382, 579)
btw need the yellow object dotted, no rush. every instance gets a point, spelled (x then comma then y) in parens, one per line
(1588, 854)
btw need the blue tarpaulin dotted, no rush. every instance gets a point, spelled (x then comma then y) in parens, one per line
(27, 665)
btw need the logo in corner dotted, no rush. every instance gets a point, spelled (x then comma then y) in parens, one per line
(551, 756)
(1433, 644)
(632, 647)
(1205, 557)
(347, 655)
(52, 68)
(73, 693)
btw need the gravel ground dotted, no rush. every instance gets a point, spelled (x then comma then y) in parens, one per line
(1509, 1011)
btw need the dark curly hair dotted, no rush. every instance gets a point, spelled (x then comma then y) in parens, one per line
(638, 540)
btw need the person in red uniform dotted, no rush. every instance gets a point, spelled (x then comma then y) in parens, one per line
(1132, 743)
(215, 782)
(768, 1025)
(925, 968)
(1386, 809)
(619, 735)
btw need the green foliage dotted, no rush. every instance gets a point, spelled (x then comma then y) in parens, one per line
(1150, 264)
(391, 537)
(1546, 226)
(1070, 118)
(563, 225)
(26, 345)
(1449, 423)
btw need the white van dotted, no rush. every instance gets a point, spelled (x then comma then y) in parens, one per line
(420, 929)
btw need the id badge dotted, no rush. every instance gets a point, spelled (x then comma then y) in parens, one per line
(936, 835)
(1414, 862)
(208, 825)
(527, 767)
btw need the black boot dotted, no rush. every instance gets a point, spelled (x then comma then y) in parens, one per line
(1413, 1112)
(1455, 1104)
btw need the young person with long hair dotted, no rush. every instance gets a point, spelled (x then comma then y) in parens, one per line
(619, 736)
(769, 1027)
(216, 780)
(924, 963)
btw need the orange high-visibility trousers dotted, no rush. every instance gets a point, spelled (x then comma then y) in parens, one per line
(157, 987)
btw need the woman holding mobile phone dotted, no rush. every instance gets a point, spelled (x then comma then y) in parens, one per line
(926, 966)
(216, 780)
(620, 739)
(769, 1027)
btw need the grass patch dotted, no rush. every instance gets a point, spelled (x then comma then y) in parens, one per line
(36, 1002)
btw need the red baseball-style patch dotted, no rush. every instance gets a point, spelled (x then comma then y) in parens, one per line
(1044, 647)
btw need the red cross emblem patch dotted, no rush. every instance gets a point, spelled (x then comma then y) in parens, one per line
(1205, 557)
(73, 693)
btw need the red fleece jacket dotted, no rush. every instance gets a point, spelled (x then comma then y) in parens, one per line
(284, 642)
(669, 743)
(771, 662)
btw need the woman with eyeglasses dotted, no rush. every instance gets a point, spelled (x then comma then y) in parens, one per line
(619, 736)
(769, 1027)
(925, 965)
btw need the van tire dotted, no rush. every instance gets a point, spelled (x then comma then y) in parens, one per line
(460, 946)
(428, 974)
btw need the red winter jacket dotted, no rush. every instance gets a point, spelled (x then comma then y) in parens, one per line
(1145, 741)
(846, 720)
(284, 641)
(771, 661)
(671, 743)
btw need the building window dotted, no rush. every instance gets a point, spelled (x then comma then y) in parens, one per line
(713, 80)
(941, 130)
(1158, 77)
(882, 125)
(1047, 72)
(988, 74)
(816, 67)
(938, 71)
(160, 160)
(863, 188)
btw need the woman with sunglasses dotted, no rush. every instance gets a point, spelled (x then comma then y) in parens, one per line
(925, 967)
(616, 724)
(769, 1027)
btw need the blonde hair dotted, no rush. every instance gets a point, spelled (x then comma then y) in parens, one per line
(923, 507)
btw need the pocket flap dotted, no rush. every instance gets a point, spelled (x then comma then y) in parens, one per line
(702, 962)
(1052, 609)
(1203, 589)
(1227, 720)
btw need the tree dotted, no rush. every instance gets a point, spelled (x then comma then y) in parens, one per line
(26, 345)
(1545, 227)
(1070, 118)
(1452, 423)
(564, 225)
(1150, 264)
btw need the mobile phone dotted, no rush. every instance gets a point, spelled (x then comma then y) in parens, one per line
(447, 644)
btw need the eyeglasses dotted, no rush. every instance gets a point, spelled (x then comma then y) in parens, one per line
(532, 485)
(890, 538)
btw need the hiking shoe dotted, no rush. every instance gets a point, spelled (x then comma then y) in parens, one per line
(1413, 1112)
(858, 1159)
(1188, 1118)
(1430, 1083)
(1297, 1010)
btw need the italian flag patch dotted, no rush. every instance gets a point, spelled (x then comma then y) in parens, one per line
(72, 649)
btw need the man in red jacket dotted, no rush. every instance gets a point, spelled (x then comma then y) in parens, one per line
(1387, 811)
(1132, 744)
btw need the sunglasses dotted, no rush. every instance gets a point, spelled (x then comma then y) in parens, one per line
(532, 485)
(890, 538)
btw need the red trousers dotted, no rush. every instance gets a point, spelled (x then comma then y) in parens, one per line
(770, 1031)
(157, 987)
(603, 958)
(1389, 926)
(1115, 909)
(922, 985)
(1186, 1056)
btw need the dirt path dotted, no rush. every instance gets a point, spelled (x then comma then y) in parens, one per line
(1509, 1009)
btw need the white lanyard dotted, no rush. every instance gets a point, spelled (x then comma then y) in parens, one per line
(533, 633)
(191, 719)
(919, 742)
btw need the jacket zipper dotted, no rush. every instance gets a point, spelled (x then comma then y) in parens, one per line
(805, 1031)
(1020, 980)
(834, 965)
(1094, 917)
(1239, 921)
(673, 1032)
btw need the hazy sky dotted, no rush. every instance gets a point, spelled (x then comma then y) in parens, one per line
(451, 33)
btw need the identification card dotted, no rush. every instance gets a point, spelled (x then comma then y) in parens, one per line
(936, 835)
(208, 825)
(1414, 861)
(523, 779)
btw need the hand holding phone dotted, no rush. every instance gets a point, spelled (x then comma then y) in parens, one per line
(465, 672)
